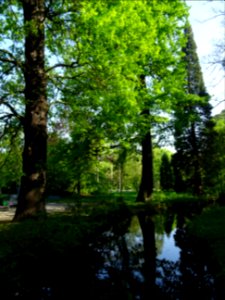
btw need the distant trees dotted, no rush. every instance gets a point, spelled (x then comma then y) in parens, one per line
(213, 155)
(10, 165)
(101, 76)
(166, 173)
(85, 171)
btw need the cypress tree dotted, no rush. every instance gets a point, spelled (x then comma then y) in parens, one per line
(166, 175)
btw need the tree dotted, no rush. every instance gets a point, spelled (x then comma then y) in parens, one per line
(166, 175)
(218, 157)
(24, 90)
(115, 93)
(159, 82)
(31, 72)
(157, 153)
(33, 182)
(146, 184)
(191, 115)
(213, 160)
(86, 57)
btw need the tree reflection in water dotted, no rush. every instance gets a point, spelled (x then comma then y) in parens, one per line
(144, 256)
(137, 267)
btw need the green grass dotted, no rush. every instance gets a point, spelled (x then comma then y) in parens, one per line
(171, 197)
(159, 199)
(129, 197)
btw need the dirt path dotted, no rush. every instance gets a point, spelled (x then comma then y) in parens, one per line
(7, 214)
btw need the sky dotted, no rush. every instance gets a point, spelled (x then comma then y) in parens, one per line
(208, 31)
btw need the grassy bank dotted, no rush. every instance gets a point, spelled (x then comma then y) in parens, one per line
(59, 246)
(209, 227)
(129, 197)
(53, 253)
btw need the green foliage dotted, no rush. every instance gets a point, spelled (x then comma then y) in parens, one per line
(87, 169)
(191, 116)
(78, 165)
(10, 166)
(158, 153)
(132, 173)
(173, 197)
(213, 158)
(60, 172)
(166, 174)
(96, 52)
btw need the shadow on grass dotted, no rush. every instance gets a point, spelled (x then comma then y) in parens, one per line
(51, 259)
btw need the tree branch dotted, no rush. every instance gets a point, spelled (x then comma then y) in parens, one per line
(219, 103)
(50, 14)
(62, 65)
(6, 117)
(11, 108)
(63, 77)
(10, 59)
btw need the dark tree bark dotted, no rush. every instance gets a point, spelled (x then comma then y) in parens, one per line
(197, 177)
(31, 199)
(146, 185)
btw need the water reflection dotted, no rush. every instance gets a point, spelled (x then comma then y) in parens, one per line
(153, 259)
(168, 250)
(145, 256)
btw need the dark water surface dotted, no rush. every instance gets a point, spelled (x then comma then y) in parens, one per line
(151, 257)
(143, 256)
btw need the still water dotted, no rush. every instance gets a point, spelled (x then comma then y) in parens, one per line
(151, 257)
(140, 256)
(169, 249)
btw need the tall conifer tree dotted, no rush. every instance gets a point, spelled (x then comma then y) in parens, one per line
(166, 175)
(191, 116)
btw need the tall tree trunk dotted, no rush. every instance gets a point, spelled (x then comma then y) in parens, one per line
(31, 198)
(146, 185)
